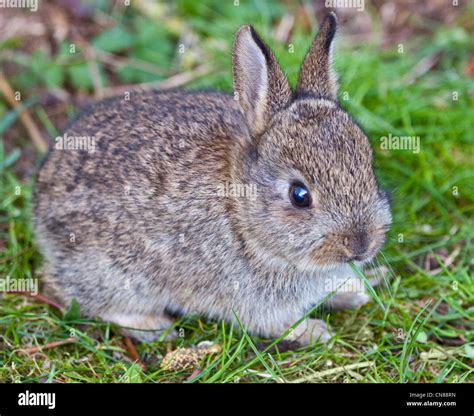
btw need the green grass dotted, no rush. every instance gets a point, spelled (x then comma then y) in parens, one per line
(424, 332)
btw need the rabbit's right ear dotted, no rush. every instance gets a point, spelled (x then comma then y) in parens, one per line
(317, 76)
(260, 85)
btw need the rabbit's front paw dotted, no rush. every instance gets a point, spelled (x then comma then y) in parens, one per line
(143, 328)
(353, 294)
(348, 300)
(310, 332)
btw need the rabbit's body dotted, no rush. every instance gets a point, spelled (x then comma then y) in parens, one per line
(123, 240)
(153, 220)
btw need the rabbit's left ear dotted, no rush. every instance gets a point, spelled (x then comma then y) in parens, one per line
(317, 76)
(260, 85)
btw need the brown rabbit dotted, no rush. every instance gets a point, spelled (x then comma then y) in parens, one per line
(200, 202)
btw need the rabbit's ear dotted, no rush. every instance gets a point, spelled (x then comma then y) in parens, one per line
(260, 85)
(317, 76)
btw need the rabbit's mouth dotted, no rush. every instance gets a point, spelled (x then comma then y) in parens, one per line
(315, 266)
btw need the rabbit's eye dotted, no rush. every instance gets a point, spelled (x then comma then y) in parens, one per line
(300, 196)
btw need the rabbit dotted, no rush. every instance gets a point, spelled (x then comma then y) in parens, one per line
(247, 206)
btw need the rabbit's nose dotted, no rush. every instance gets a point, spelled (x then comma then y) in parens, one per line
(356, 245)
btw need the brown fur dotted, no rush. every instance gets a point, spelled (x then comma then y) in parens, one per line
(138, 228)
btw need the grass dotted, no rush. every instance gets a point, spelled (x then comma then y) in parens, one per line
(424, 332)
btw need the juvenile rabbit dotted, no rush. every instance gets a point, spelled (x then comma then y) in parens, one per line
(200, 202)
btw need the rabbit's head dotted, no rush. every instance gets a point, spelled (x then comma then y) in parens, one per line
(318, 204)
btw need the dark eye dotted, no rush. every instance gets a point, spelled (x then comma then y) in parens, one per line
(300, 196)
